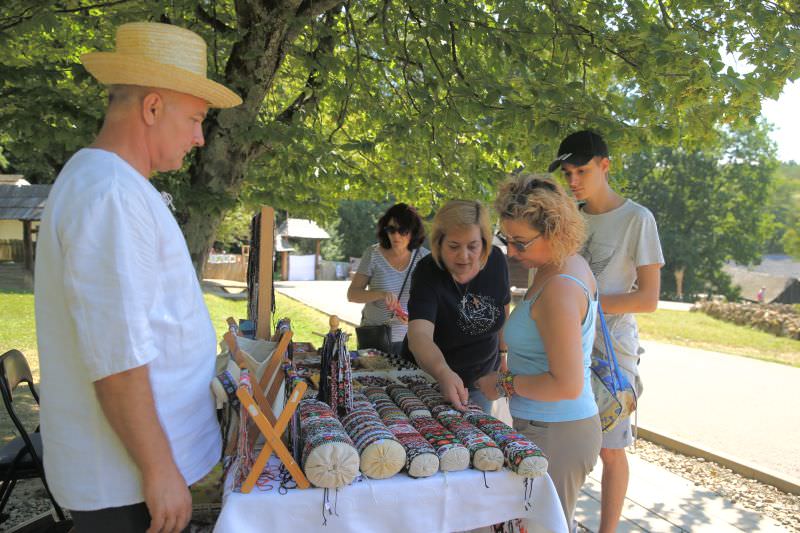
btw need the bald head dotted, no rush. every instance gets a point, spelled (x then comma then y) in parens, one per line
(152, 128)
(126, 95)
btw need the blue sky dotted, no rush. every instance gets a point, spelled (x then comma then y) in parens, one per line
(784, 114)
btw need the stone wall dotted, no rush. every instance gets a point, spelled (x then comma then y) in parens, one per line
(779, 319)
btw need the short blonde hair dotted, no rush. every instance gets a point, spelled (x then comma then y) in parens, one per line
(544, 205)
(461, 214)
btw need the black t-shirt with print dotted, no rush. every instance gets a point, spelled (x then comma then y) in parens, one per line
(467, 318)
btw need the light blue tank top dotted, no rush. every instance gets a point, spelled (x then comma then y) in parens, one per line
(527, 356)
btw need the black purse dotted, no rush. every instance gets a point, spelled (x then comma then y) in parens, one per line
(375, 337)
(380, 337)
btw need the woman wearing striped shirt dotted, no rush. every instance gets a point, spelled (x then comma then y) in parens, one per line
(383, 268)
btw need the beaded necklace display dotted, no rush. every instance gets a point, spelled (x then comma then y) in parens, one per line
(245, 456)
(381, 454)
(421, 458)
(522, 456)
(453, 455)
(335, 386)
(329, 458)
(484, 452)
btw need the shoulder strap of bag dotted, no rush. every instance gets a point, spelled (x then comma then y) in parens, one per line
(610, 354)
(408, 272)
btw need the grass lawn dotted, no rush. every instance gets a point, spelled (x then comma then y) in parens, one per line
(698, 330)
(18, 331)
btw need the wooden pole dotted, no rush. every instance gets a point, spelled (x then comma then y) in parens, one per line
(317, 266)
(285, 266)
(27, 245)
(265, 269)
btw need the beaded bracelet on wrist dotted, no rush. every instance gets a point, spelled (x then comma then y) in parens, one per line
(505, 384)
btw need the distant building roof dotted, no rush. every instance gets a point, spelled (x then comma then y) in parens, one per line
(300, 228)
(13, 179)
(782, 289)
(22, 202)
(778, 265)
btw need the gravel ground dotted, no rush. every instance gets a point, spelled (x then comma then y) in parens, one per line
(29, 498)
(745, 492)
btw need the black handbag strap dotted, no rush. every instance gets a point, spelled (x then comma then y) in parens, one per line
(408, 272)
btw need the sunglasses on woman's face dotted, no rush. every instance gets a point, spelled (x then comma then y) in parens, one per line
(519, 246)
(395, 229)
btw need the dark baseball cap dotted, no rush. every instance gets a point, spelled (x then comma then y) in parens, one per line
(579, 148)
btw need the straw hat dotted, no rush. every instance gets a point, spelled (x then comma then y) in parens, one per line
(159, 55)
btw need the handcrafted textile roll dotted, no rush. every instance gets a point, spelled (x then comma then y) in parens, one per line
(421, 458)
(329, 458)
(485, 453)
(522, 456)
(372, 381)
(452, 454)
(414, 380)
(408, 401)
(381, 454)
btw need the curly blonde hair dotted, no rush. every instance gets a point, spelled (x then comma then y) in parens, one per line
(461, 214)
(544, 205)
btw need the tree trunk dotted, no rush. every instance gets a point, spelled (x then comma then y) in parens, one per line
(218, 169)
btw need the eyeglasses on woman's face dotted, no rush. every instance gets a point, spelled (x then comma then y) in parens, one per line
(518, 246)
(390, 229)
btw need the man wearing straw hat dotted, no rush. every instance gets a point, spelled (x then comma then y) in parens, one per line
(126, 345)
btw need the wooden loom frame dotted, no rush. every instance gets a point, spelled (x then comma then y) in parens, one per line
(259, 407)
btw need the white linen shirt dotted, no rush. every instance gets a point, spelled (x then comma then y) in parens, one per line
(115, 289)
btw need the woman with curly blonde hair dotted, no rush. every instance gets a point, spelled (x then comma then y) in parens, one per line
(550, 333)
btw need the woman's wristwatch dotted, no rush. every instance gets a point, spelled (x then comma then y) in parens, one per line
(503, 353)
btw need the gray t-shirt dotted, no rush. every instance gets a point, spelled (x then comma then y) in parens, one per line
(384, 277)
(617, 243)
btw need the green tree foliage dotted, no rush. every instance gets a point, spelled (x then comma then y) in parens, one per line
(358, 222)
(710, 206)
(415, 99)
(784, 204)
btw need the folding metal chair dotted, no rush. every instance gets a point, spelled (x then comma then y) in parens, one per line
(22, 457)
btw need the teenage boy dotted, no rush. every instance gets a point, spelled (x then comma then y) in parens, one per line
(624, 252)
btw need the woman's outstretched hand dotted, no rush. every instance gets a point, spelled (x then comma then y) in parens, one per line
(453, 390)
(488, 386)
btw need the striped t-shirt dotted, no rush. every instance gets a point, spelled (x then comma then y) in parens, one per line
(384, 277)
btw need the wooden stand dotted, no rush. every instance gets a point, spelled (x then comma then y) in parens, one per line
(259, 407)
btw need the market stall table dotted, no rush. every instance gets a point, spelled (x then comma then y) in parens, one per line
(458, 501)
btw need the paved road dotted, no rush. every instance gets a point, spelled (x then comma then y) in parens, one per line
(744, 408)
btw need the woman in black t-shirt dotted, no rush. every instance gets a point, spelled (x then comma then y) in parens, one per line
(459, 303)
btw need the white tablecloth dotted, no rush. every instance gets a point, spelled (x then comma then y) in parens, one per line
(458, 501)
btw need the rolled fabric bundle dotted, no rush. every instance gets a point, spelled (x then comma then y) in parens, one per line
(452, 454)
(408, 401)
(372, 381)
(421, 458)
(484, 452)
(329, 458)
(522, 456)
(381, 454)
(413, 380)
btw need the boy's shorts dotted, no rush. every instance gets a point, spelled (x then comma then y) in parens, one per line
(619, 437)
